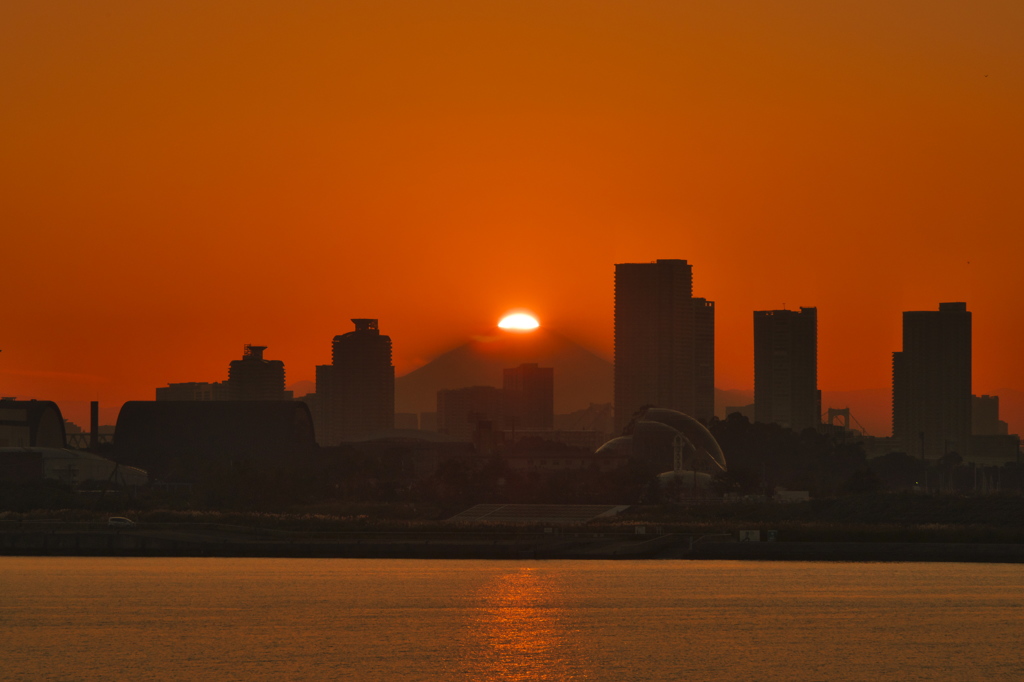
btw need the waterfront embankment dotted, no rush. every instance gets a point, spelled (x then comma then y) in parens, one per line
(221, 540)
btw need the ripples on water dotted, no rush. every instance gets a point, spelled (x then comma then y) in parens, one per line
(354, 619)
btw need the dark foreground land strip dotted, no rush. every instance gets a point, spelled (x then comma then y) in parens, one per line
(183, 541)
(859, 551)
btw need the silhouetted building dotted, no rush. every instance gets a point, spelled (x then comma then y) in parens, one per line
(319, 402)
(312, 401)
(428, 421)
(356, 392)
(460, 411)
(543, 459)
(675, 444)
(586, 440)
(32, 447)
(194, 390)
(985, 419)
(664, 341)
(407, 421)
(529, 397)
(583, 377)
(786, 368)
(399, 462)
(251, 378)
(994, 450)
(70, 467)
(931, 383)
(177, 440)
(31, 423)
(991, 441)
(254, 378)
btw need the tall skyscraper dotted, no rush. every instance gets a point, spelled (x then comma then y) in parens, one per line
(356, 392)
(931, 382)
(664, 341)
(529, 397)
(254, 378)
(786, 368)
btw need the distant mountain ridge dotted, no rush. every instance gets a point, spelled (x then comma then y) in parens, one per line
(301, 388)
(581, 376)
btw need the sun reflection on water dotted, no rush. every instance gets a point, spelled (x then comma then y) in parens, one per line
(523, 630)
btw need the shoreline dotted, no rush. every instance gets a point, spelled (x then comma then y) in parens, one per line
(179, 541)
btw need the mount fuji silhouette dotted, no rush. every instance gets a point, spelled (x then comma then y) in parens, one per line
(581, 377)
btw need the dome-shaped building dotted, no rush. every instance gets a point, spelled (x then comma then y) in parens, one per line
(674, 443)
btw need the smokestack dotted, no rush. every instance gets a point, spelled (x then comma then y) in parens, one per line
(94, 425)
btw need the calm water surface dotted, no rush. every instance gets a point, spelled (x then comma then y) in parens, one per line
(352, 619)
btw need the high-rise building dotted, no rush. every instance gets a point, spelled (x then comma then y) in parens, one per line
(985, 419)
(786, 368)
(251, 378)
(356, 392)
(460, 411)
(931, 383)
(664, 341)
(529, 397)
(254, 378)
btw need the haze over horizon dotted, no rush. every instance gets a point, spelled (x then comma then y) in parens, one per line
(180, 180)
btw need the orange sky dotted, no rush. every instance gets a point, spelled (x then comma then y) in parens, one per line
(181, 178)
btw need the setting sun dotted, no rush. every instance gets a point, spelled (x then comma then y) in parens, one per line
(519, 321)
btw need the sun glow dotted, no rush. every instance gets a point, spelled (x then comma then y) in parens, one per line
(519, 322)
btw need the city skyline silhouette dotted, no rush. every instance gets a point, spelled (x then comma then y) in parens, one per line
(170, 194)
(265, 412)
(872, 407)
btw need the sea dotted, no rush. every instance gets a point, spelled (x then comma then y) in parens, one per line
(84, 618)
